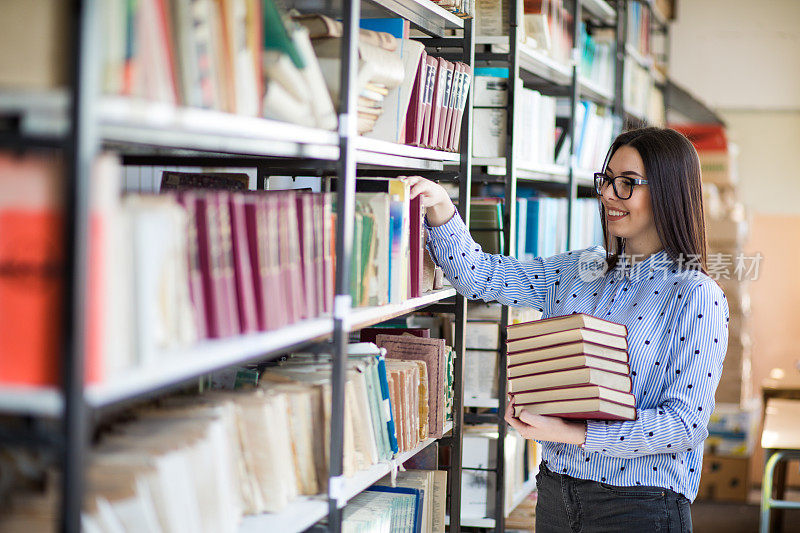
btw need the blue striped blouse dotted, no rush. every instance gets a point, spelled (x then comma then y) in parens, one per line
(677, 320)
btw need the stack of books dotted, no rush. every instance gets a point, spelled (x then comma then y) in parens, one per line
(573, 366)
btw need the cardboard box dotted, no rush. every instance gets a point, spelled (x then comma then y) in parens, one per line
(666, 8)
(718, 166)
(724, 478)
(733, 428)
(726, 232)
(738, 295)
(735, 384)
(34, 44)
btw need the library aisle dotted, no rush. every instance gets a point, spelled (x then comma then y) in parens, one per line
(224, 307)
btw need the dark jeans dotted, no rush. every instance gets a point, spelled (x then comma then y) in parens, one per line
(570, 505)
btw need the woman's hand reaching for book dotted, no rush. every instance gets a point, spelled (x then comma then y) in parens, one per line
(549, 428)
(438, 206)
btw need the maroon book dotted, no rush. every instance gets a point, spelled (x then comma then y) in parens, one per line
(466, 73)
(255, 228)
(243, 269)
(230, 312)
(416, 111)
(318, 212)
(453, 72)
(189, 202)
(369, 334)
(305, 227)
(277, 291)
(431, 68)
(289, 246)
(417, 247)
(436, 103)
(328, 251)
(209, 251)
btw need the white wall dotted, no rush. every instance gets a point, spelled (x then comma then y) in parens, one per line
(738, 53)
(743, 59)
(769, 159)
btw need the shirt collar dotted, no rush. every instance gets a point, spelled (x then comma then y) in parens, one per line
(658, 263)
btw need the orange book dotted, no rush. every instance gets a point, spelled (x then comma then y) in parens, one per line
(31, 270)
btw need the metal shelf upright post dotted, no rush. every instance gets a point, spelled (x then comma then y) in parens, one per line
(464, 195)
(345, 206)
(81, 146)
(574, 96)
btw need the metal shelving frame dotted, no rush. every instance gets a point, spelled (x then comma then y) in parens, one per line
(79, 122)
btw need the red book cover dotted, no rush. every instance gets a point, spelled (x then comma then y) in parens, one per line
(188, 201)
(417, 245)
(436, 104)
(447, 105)
(245, 288)
(255, 225)
(230, 310)
(305, 227)
(431, 68)
(209, 248)
(416, 110)
(31, 289)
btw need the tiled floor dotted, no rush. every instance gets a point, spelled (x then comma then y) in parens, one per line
(715, 517)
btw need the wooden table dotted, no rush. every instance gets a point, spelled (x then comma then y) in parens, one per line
(781, 442)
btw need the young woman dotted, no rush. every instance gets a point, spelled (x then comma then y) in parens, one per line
(636, 475)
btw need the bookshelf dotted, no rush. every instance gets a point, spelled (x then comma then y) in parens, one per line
(80, 122)
(306, 511)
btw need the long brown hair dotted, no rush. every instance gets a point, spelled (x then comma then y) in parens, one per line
(672, 170)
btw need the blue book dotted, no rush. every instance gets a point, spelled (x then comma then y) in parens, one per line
(532, 229)
(387, 403)
(416, 493)
(393, 26)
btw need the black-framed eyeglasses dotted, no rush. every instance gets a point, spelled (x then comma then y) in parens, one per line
(623, 185)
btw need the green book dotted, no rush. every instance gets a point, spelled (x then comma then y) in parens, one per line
(276, 36)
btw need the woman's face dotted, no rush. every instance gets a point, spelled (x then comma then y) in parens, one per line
(631, 219)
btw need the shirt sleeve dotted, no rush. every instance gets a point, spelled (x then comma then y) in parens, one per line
(490, 277)
(680, 422)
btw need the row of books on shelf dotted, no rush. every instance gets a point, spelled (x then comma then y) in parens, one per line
(638, 27)
(541, 225)
(573, 366)
(641, 94)
(200, 463)
(594, 131)
(535, 115)
(598, 50)
(249, 58)
(205, 259)
(415, 501)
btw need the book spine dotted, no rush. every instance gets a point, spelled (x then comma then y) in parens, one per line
(417, 246)
(245, 287)
(230, 310)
